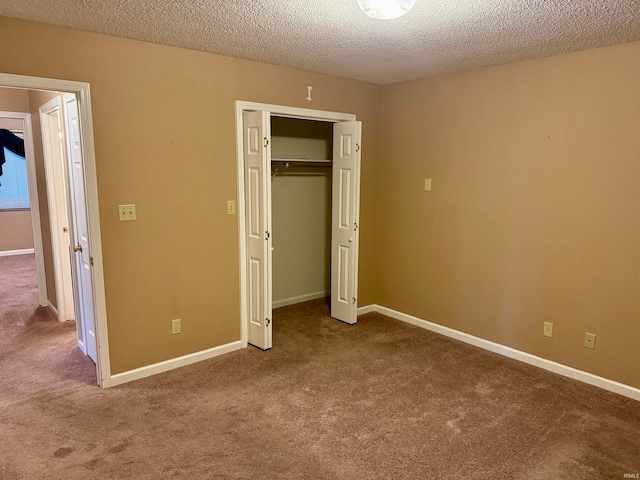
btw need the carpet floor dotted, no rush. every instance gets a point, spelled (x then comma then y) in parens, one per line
(378, 400)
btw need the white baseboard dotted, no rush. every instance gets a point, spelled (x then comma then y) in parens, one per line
(142, 372)
(53, 309)
(300, 299)
(366, 309)
(560, 369)
(23, 251)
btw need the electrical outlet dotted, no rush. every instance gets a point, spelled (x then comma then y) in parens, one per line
(176, 326)
(589, 340)
(127, 212)
(548, 329)
(231, 207)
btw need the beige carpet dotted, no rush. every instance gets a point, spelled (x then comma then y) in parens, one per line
(379, 400)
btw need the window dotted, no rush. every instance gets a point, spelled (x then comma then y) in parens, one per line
(14, 191)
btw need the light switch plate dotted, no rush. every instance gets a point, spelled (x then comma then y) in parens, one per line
(127, 212)
(427, 184)
(231, 207)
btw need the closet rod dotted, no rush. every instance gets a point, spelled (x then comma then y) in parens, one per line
(299, 160)
(311, 164)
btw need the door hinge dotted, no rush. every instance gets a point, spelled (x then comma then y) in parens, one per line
(91, 261)
(355, 226)
(266, 142)
(268, 320)
(267, 235)
(357, 147)
(354, 300)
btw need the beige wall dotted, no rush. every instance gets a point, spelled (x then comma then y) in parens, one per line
(164, 124)
(534, 214)
(15, 230)
(15, 226)
(301, 209)
(14, 100)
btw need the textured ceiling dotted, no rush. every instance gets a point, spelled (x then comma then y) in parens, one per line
(334, 36)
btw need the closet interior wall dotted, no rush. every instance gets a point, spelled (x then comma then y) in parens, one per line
(301, 211)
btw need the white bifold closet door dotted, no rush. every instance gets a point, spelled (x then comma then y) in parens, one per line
(344, 220)
(344, 223)
(258, 207)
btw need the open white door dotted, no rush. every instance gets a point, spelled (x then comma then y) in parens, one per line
(344, 220)
(85, 321)
(258, 190)
(57, 199)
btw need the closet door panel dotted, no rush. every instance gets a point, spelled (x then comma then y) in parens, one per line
(256, 131)
(344, 222)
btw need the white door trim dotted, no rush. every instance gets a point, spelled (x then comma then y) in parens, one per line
(277, 111)
(83, 92)
(33, 200)
(55, 175)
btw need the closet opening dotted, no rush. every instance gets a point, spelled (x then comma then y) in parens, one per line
(301, 168)
(298, 206)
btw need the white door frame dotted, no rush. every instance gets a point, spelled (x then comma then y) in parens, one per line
(55, 174)
(275, 111)
(83, 94)
(33, 201)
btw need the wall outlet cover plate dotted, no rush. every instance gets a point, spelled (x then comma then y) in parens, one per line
(590, 340)
(548, 329)
(176, 326)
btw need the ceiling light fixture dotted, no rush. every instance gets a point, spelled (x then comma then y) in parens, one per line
(386, 9)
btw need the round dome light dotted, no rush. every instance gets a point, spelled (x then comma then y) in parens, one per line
(386, 9)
